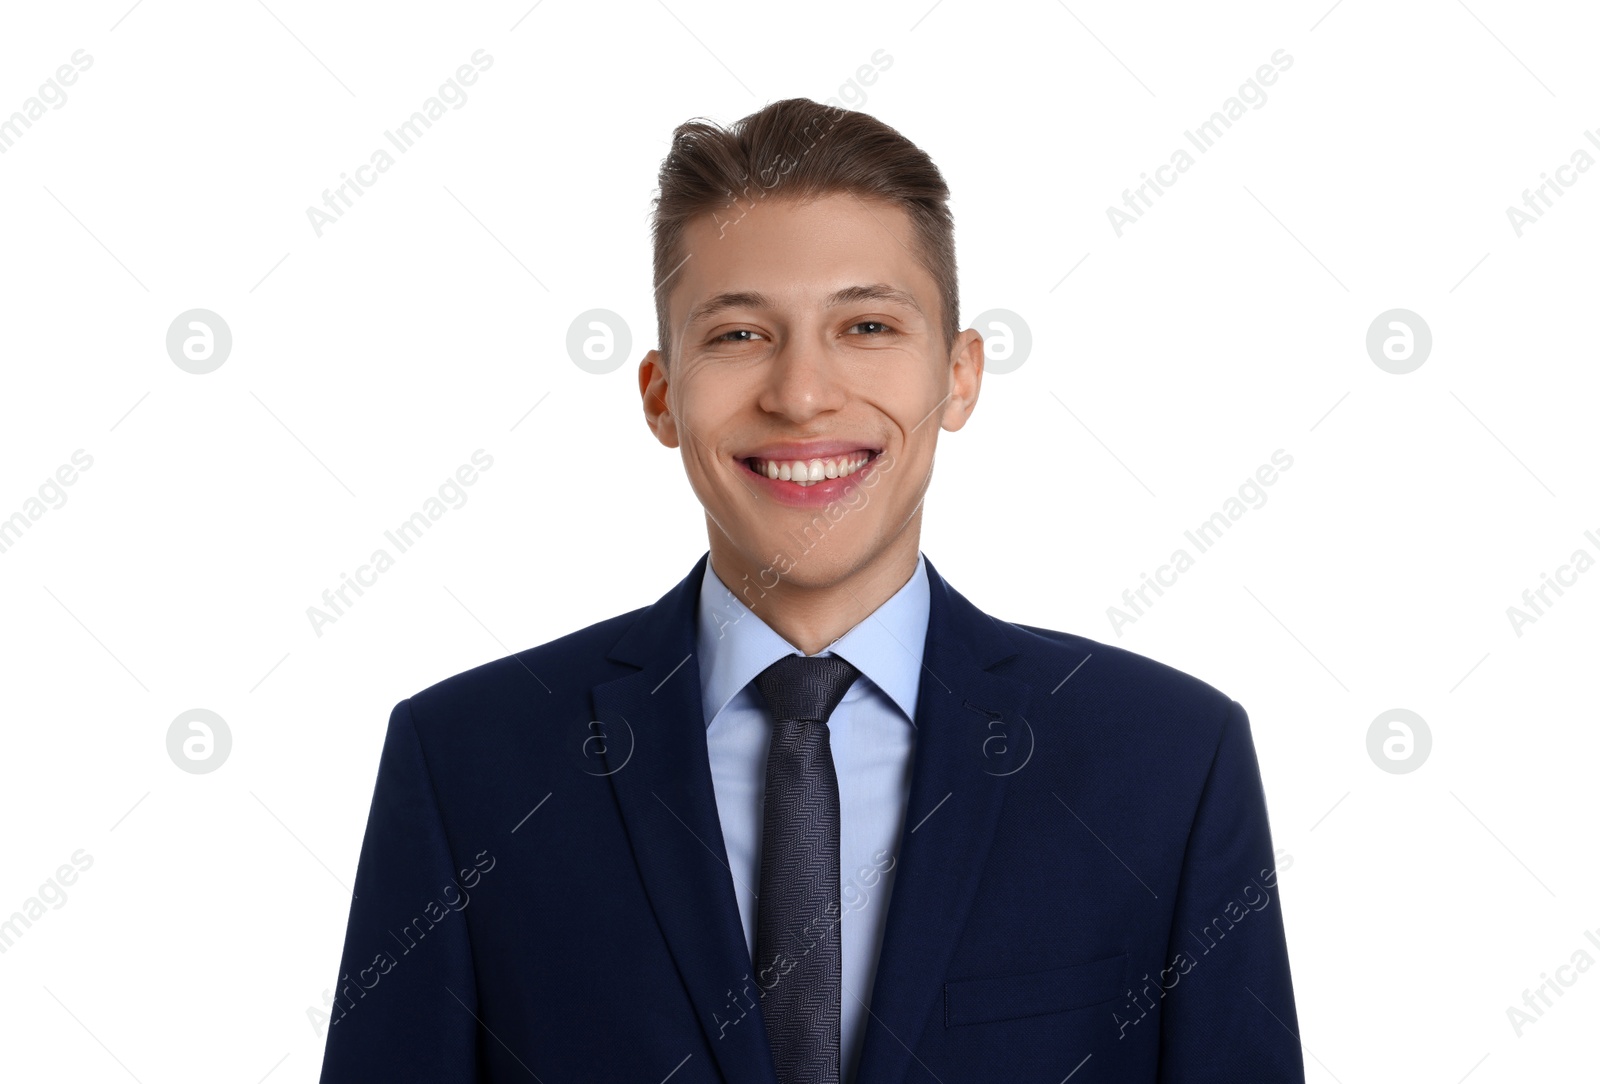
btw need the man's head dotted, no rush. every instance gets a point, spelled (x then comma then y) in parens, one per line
(807, 311)
(798, 148)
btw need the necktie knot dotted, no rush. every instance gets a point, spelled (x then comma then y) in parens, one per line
(806, 687)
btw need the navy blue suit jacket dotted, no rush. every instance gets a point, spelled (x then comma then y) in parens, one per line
(1085, 883)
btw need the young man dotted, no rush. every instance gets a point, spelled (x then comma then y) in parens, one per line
(813, 815)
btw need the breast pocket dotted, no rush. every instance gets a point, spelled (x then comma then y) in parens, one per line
(1034, 993)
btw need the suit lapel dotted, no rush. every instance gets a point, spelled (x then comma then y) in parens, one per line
(660, 771)
(957, 790)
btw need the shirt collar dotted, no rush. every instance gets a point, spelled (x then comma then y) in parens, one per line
(886, 646)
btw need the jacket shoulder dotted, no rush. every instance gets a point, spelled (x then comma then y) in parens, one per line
(556, 670)
(1117, 673)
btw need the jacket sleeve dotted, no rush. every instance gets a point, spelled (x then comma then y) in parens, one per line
(405, 1007)
(1228, 1004)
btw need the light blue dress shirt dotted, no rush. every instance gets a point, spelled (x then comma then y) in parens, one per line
(870, 734)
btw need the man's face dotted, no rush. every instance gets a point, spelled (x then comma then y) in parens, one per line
(807, 341)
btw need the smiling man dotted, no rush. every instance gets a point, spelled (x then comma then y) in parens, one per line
(813, 815)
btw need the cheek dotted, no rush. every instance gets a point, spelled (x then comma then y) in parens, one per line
(709, 404)
(915, 411)
(902, 382)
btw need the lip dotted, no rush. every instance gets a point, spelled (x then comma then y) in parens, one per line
(818, 495)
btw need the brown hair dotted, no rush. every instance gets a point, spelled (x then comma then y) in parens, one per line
(799, 149)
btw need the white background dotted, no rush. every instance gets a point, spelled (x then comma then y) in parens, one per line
(427, 322)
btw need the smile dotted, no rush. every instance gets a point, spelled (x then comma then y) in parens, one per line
(809, 472)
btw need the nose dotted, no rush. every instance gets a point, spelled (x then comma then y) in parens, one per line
(802, 381)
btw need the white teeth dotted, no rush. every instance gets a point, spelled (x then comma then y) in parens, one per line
(809, 472)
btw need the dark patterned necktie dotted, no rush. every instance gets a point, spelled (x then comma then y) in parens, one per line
(797, 910)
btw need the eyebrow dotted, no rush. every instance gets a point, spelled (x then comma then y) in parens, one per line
(849, 295)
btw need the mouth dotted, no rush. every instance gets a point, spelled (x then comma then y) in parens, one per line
(804, 473)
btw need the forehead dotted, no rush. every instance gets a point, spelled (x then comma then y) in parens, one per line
(799, 253)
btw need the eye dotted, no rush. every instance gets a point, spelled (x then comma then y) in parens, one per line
(873, 323)
(723, 338)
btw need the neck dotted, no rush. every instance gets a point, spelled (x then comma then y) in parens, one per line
(811, 612)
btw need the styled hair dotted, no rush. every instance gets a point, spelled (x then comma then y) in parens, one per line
(799, 149)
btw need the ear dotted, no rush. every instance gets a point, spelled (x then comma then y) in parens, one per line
(653, 390)
(966, 376)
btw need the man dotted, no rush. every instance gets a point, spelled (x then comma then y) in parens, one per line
(813, 815)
